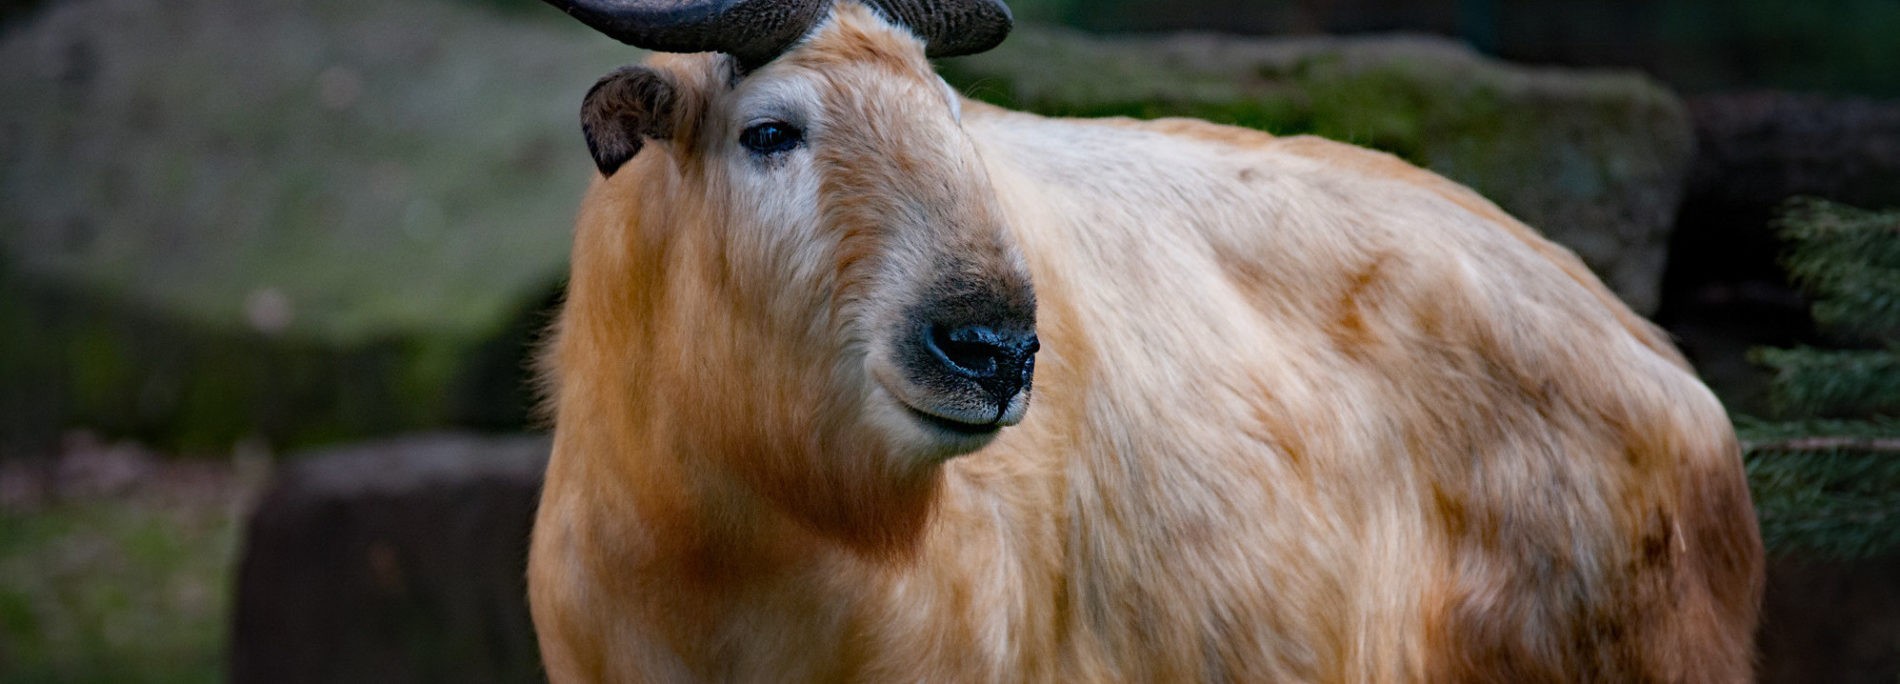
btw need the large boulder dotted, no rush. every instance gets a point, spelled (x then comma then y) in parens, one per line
(301, 220)
(397, 561)
(1726, 290)
(1695, 45)
(1593, 159)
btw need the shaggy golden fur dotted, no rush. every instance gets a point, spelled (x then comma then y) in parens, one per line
(1303, 413)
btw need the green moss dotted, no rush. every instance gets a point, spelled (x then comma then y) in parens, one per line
(101, 365)
(1404, 98)
(95, 362)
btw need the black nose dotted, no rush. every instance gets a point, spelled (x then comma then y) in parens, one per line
(1001, 361)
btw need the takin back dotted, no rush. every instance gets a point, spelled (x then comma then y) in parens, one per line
(1301, 412)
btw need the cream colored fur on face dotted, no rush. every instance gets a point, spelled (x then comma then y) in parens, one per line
(1303, 413)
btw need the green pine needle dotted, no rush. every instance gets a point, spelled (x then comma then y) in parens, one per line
(1832, 487)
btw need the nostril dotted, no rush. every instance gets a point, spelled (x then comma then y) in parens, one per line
(977, 351)
(964, 351)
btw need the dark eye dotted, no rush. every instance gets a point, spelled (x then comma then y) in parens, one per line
(771, 137)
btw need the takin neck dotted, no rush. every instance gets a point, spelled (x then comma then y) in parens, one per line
(674, 415)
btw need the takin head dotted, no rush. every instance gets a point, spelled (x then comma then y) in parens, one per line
(811, 240)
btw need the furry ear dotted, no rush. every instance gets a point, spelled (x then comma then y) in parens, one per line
(625, 108)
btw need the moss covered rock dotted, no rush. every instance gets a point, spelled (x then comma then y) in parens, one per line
(1595, 160)
(306, 220)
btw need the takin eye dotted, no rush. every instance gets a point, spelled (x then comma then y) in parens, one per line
(771, 137)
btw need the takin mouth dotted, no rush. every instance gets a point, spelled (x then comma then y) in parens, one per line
(955, 426)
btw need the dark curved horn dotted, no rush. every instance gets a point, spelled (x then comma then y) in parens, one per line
(951, 27)
(755, 31)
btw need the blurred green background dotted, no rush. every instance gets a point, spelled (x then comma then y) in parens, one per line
(233, 229)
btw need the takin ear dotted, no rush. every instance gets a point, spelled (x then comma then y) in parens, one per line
(625, 108)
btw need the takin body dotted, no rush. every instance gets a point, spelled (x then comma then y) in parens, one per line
(1302, 412)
